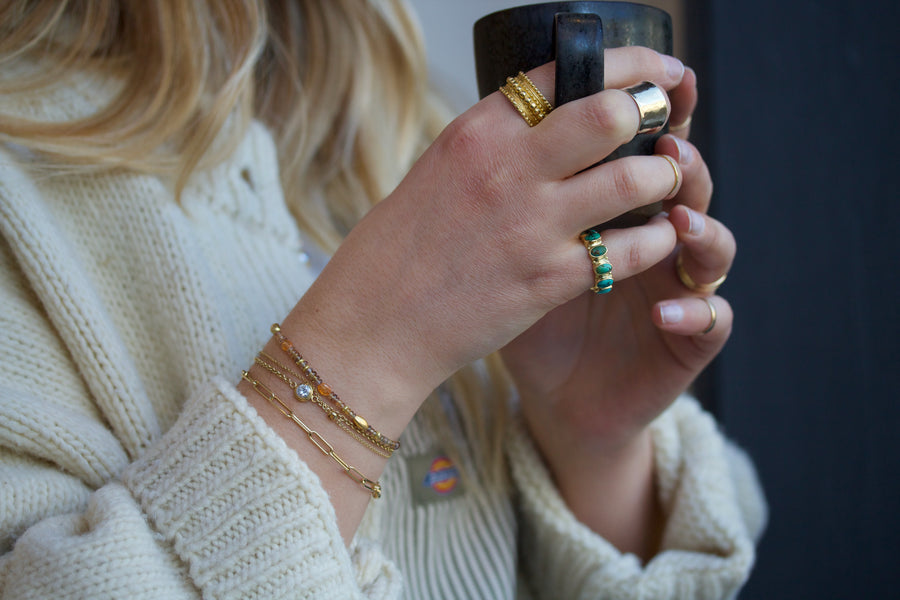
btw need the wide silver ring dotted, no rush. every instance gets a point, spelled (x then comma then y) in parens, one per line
(652, 106)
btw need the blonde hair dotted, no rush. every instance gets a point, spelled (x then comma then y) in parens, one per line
(342, 85)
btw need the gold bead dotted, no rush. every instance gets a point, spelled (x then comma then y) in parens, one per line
(361, 423)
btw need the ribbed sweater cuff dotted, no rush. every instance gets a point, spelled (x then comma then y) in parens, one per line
(707, 551)
(244, 514)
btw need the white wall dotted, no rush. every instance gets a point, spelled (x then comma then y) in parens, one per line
(448, 37)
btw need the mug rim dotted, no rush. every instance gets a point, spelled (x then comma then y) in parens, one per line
(536, 5)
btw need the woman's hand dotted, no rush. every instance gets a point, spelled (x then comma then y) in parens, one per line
(479, 243)
(480, 240)
(628, 354)
(594, 372)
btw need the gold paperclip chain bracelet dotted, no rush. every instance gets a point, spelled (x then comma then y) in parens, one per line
(321, 443)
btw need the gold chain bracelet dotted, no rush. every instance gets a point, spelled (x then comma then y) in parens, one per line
(326, 392)
(321, 443)
(303, 392)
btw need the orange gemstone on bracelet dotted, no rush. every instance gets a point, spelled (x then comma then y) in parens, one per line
(324, 389)
(286, 346)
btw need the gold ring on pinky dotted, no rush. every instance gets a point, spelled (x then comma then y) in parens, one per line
(675, 168)
(527, 98)
(712, 316)
(600, 265)
(689, 283)
(651, 104)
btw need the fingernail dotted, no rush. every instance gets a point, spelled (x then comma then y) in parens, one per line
(671, 313)
(674, 67)
(696, 222)
(685, 153)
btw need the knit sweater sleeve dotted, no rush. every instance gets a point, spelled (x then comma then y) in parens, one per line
(100, 500)
(714, 509)
(217, 507)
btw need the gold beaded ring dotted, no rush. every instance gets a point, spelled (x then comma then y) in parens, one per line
(526, 88)
(601, 267)
(527, 98)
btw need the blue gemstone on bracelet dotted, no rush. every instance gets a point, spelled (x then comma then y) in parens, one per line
(590, 235)
(605, 283)
(603, 269)
(598, 251)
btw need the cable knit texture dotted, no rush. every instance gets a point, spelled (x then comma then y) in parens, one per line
(130, 466)
(707, 548)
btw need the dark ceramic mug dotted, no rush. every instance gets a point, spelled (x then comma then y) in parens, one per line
(574, 34)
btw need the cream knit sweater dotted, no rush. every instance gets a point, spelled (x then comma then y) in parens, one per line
(130, 467)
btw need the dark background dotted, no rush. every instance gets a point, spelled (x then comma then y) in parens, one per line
(799, 122)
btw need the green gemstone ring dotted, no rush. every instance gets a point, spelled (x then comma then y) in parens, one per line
(602, 269)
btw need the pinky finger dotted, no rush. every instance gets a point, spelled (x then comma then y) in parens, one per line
(707, 318)
(684, 101)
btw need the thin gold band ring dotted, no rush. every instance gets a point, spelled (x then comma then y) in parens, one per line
(712, 316)
(675, 168)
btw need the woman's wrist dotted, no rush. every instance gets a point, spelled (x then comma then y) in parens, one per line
(609, 488)
(336, 401)
(373, 376)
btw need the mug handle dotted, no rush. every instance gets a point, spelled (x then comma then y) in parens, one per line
(579, 73)
(578, 41)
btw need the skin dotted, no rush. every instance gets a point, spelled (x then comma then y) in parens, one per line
(477, 250)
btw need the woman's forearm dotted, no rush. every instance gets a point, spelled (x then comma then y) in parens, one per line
(613, 493)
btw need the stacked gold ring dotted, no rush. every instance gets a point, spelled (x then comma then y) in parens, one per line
(601, 267)
(527, 99)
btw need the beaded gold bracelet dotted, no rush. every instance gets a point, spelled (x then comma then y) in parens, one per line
(303, 392)
(326, 392)
(321, 443)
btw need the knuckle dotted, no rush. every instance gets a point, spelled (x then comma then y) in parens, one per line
(464, 137)
(625, 181)
(606, 116)
(655, 64)
(708, 245)
(650, 63)
(634, 259)
(720, 238)
(482, 173)
(715, 250)
(550, 283)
